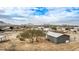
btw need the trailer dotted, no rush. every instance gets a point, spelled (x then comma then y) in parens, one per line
(2, 38)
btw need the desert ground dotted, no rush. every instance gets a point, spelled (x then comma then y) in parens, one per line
(14, 44)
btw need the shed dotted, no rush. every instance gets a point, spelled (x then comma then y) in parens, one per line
(57, 37)
(2, 38)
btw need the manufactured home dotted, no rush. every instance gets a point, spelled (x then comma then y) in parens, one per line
(57, 37)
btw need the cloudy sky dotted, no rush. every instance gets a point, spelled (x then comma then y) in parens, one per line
(40, 15)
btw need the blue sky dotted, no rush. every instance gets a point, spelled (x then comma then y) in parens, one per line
(40, 15)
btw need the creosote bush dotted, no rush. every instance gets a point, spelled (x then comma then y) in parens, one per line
(32, 35)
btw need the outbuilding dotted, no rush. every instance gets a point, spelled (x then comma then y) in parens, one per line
(57, 37)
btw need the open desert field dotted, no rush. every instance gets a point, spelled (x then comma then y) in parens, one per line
(14, 44)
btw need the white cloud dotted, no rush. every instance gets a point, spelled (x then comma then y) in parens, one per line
(23, 15)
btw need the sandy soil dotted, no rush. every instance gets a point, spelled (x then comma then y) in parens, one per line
(15, 44)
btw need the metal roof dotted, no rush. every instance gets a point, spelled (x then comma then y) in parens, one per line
(54, 34)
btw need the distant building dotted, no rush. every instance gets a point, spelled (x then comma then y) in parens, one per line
(76, 28)
(47, 29)
(57, 37)
(40, 28)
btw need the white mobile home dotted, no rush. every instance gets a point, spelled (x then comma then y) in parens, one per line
(2, 38)
(57, 37)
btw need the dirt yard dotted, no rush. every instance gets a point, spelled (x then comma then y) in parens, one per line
(15, 44)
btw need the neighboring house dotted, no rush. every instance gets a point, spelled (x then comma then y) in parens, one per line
(57, 37)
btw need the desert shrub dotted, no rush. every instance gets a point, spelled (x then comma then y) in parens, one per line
(54, 27)
(22, 39)
(31, 34)
(67, 28)
(11, 28)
